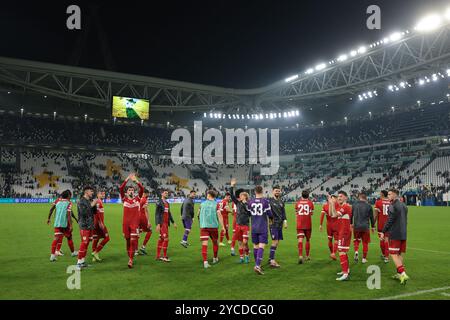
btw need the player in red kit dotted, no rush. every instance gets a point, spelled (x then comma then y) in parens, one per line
(304, 210)
(225, 210)
(145, 225)
(332, 233)
(343, 212)
(100, 230)
(131, 215)
(381, 217)
(163, 218)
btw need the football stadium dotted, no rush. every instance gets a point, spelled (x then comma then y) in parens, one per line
(332, 182)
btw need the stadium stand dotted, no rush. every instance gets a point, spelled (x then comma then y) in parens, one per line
(52, 155)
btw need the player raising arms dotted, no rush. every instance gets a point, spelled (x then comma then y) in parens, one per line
(187, 216)
(210, 217)
(304, 210)
(144, 221)
(396, 227)
(100, 230)
(332, 233)
(131, 214)
(343, 211)
(62, 224)
(242, 221)
(163, 218)
(362, 215)
(276, 223)
(260, 212)
(381, 217)
(225, 210)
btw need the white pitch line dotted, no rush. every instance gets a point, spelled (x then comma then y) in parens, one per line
(406, 295)
(433, 251)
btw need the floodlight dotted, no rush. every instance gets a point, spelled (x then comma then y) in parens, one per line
(362, 49)
(429, 23)
(447, 14)
(321, 66)
(292, 78)
(395, 36)
(342, 58)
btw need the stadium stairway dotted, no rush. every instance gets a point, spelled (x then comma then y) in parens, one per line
(149, 174)
(418, 172)
(68, 165)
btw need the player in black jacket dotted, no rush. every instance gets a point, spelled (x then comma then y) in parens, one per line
(395, 230)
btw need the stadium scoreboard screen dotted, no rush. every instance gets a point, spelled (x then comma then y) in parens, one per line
(130, 108)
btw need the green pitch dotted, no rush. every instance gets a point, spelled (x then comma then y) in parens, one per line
(26, 273)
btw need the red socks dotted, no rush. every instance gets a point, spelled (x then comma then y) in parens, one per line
(233, 241)
(83, 249)
(55, 243)
(165, 245)
(335, 246)
(300, 249)
(71, 246)
(129, 249)
(365, 249)
(215, 248)
(330, 245)
(147, 238)
(344, 263)
(241, 252)
(205, 253)
(401, 269)
(102, 244)
(308, 247)
(386, 249)
(158, 248)
(59, 243)
(383, 247)
(356, 245)
(94, 244)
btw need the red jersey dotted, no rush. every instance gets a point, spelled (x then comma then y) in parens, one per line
(100, 215)
(222, 206)
(381, 207)
(304, 210)
(344, 217)
(326, 213)
(166, 213)
(143, 206)
(131, 206)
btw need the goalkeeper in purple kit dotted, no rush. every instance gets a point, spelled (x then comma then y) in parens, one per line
(260, 210)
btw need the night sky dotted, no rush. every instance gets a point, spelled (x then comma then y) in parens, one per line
(239, 44)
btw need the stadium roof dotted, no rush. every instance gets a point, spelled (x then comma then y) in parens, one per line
(408, 55)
